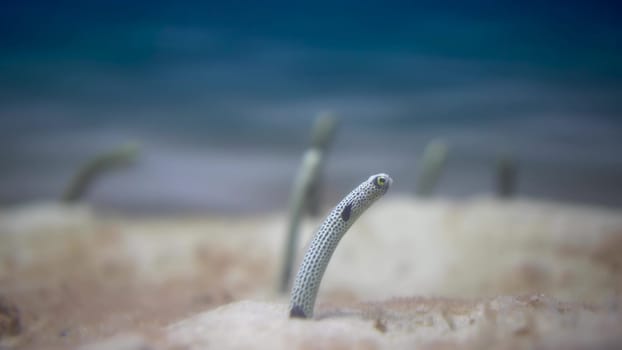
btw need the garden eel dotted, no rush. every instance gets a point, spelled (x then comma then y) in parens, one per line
(305, 192)
(325, 241)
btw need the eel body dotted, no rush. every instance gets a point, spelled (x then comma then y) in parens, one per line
(305, 192)
(307, 176)
(325, 241)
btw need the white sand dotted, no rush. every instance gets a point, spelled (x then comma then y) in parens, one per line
(461, 250)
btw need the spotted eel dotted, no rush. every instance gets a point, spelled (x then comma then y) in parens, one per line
(325, 241)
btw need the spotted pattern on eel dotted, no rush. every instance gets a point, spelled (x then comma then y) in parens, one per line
(325, 241)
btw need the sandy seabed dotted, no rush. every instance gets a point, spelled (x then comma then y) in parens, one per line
(436, 274)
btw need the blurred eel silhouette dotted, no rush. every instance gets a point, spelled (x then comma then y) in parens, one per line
(325, 240)
(506, 176)
(432, 164)
(305, 191)
(98, 165)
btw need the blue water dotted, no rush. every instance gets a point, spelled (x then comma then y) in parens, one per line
(221, 97)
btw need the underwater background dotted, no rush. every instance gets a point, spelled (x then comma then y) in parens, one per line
(221, 97)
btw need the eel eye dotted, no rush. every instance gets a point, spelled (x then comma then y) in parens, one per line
(381, 181)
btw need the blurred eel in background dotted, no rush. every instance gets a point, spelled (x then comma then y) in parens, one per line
(506, 176)
(305, 191)
(431, 168)
(120, 157)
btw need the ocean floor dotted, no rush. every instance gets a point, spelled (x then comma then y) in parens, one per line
(429, 274)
